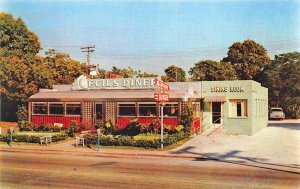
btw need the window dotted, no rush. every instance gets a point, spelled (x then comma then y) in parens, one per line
(56, 108)
(238, 108)
(73, 109)
(196, 107)
(126, 109)
(147, 109)
(39, 108)
(171, 109)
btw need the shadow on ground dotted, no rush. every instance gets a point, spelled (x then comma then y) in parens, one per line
(233, 157)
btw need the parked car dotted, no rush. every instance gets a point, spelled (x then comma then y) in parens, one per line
(276, 113)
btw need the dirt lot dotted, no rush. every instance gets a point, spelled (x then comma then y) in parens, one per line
(6, 125)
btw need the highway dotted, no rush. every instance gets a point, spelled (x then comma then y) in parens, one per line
(50, 170)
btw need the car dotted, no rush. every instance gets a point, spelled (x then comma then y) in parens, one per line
(276, 113)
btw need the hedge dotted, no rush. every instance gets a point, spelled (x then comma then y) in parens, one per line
(120, 140)
(32, 138)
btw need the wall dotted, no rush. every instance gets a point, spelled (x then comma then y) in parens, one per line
(242, 89)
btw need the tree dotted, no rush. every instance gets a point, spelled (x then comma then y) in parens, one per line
(16, 39)
(22, 71)
(130, 72)
(282, 78)
(63, 69)
(247, 58)
(174, 74)
(209, 70)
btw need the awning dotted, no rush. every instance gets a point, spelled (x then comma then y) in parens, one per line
(215, 99)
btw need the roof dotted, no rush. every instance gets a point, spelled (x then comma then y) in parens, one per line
(177, 90)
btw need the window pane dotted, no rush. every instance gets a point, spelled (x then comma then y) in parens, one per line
(56, 109)
(40, 108)
(147, 109)
(239, 109)
(171, 110)
(126, 110)
(73, 109)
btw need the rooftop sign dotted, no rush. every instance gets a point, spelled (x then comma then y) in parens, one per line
(82, 83)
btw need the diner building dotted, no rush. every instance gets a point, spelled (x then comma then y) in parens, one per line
(240, 107)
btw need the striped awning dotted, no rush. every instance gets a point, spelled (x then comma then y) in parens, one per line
(215, 99)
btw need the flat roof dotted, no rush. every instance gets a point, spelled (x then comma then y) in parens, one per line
(177, 90)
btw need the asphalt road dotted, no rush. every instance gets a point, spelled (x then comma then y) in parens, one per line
(36, 170)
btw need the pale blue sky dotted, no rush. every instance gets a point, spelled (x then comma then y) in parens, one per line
(151, 35)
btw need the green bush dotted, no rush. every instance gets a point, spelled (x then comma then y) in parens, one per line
(121, 140)
(32, 138)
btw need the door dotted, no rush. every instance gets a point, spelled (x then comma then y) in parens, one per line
(98, 113)
(216, 112)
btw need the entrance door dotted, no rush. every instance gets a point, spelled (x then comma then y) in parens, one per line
(98, 113)
(216, 112)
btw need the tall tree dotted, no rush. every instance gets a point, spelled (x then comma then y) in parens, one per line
(63, 69)
(16, 39)
(247, 58)
(209, 70)
(22, 72)
(282, 78)
(129, 72)
(174, 74)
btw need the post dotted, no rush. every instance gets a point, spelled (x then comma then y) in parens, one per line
(11, 130)
(98, 131)
(162, 126)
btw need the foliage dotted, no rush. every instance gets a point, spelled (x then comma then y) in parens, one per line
(130, 72)
(72, 130)
(16, 39)
(132, 129)
(63, 69)
(282, 78)
(174, 74)
(187, 118)
(32, 138)
(22, 115)
(208, 70)
(179, 128)
(247, 58)
(120, 140)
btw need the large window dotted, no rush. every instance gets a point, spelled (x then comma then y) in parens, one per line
(171, 109)
(56, 108)
(73, 109)
(238, 108)
(126, 109)
(39, 108)
(147, 109)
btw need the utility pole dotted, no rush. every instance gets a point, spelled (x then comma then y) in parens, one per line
(89, 50)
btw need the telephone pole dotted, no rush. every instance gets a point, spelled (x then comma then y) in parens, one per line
(89, 50)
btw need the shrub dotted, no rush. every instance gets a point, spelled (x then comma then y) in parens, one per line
(32, 138)
(147, 143)
(187, 118)
(111, 140)
(71, 130)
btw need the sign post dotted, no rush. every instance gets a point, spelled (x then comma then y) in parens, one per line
(161, 97)
(11, 130)
(162, 126)
(98, 132)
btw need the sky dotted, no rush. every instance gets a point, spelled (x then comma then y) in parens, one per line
(152, 35)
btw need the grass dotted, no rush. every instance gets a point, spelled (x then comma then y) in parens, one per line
(146, 137)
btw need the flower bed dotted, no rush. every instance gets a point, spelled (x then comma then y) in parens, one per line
(121, 140)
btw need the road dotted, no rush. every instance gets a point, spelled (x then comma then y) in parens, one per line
(54, 170)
